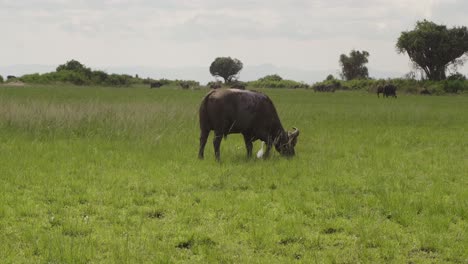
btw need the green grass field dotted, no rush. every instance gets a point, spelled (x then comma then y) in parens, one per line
(91, 175)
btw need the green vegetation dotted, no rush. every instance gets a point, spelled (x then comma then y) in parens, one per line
(352, 66)
(73, 72)
(96, 174)
(275, 81)
(226, 68)
(408, 86)
(434, 47)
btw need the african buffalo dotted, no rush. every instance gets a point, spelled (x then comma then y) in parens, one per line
(425, 91)
(250, 113)
(184, 85)
(387, 90)
(156, 84)
(324, 88)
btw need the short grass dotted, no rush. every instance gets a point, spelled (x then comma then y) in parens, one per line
(91, 175)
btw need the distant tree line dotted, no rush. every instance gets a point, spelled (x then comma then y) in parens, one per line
(432, 48)
(453, 84)
(74, 72)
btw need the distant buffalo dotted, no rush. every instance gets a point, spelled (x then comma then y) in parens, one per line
(324, 88)
(250, 113)
(156, 84)
(184, 85)
(425, 91)
(387, 90)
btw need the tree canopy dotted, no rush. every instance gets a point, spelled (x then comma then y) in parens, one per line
(226, 68)
(352, 66)
(434, 47)
(73, 65)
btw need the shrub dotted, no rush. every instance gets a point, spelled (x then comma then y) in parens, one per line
(271, 78)
(329, 85)
(238, 85)
(454, 86)
(275, 81)
(457, 76)
(1, 79)
(215, 85)
(185, 84)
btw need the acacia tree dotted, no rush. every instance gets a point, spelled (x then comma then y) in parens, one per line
(434, 47)
(352, 66)
(226, 68)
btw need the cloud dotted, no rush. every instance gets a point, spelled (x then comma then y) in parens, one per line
(201, 20)
(181, 32)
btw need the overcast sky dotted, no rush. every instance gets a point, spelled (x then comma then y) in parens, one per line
(296, 33)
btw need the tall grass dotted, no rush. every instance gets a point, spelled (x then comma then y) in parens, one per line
(110, 175)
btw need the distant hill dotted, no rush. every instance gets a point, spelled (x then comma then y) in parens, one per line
(200, 73)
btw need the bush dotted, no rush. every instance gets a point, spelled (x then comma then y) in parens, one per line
(215, 85)
(1, 79)
(118, 80)
(76, 73)
(271, 78)
(457, 76)
(275, 81)
(238, 85)
(186, 84)
(454, 86)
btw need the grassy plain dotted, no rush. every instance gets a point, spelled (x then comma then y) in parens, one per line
(91, 175)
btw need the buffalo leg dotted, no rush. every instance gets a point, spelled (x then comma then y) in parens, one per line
(269, 143)
(248, 144)
(216, 144)
(203, 138)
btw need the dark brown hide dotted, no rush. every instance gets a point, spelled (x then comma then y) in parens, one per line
(387, 90)
(227, 111)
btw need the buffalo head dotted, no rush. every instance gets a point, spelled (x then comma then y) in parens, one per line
(285, 145)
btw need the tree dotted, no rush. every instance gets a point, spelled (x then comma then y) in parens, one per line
(1, 79)
(226, 67)
(352, 66)
(433, 47)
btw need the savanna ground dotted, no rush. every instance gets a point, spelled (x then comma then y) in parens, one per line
(90, 175)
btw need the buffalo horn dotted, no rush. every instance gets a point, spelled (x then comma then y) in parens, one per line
(295, 132)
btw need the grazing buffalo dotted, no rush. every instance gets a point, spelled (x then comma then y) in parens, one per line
(250, 113)
(324, 88)
(387, 90)
(184, 85)
(156, 84)
(425, 91)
